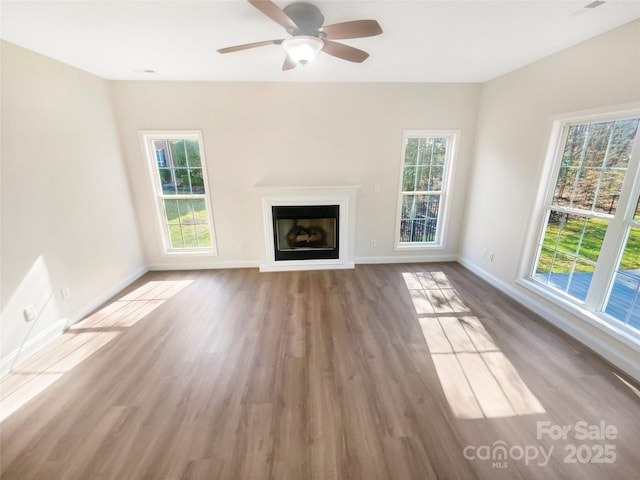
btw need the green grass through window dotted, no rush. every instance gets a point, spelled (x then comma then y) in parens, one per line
(187, 223)
(565, 237)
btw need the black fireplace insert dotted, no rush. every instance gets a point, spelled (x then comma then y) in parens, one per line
(306, 232)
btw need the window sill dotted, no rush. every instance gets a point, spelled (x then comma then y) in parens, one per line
(611, 327)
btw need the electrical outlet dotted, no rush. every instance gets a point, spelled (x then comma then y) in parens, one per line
(65, 292)
(29, 313)
(491, 256)
(241, 246)
(376, 188)
(373, 243)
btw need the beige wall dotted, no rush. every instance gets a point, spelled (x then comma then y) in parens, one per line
(67, 216)
(68, 211)
(514, 125)
(344, 133)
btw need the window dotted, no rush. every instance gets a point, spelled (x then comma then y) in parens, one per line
(426, 160)
(589, 248)
(179, 179)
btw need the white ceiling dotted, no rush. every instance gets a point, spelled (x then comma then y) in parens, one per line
(423, 41)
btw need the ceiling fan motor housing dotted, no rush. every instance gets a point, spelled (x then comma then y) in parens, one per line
(306, 16)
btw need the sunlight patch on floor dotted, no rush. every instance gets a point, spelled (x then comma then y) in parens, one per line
(80, 341)
(478, 380)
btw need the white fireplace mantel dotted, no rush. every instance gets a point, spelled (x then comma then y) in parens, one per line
(304, 195)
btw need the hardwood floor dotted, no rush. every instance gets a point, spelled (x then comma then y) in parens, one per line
(417, 371)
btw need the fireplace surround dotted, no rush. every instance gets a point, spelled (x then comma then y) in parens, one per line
(307, 227)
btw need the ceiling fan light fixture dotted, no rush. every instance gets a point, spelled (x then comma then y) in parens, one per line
(303, 48)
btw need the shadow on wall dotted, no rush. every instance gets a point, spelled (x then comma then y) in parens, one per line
(20, 337)
(80, 341)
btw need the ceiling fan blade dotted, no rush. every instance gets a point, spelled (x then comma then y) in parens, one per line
(355, 29)
(275, 13)
(237, 48)
(344, 52)
(288, 64)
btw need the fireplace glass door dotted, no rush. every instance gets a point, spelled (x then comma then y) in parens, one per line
(307, 232)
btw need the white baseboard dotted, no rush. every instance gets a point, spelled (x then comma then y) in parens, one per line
(572, 328)
(85, 310)
(32, 346)
(407, 259)
(155, 267)
(256, 263)
(39, 341)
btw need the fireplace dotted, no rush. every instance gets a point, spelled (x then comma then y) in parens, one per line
(307, 226)
(306, 232)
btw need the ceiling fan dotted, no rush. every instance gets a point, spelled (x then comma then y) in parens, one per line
(304, 22)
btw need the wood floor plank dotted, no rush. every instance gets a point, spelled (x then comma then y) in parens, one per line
(380, 372)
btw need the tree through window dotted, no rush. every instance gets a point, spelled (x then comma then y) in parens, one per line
(179, 180)
(425, 163)
(590, 245)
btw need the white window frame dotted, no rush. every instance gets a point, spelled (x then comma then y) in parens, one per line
(147, 137)
(453, 137)
(592, 309)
